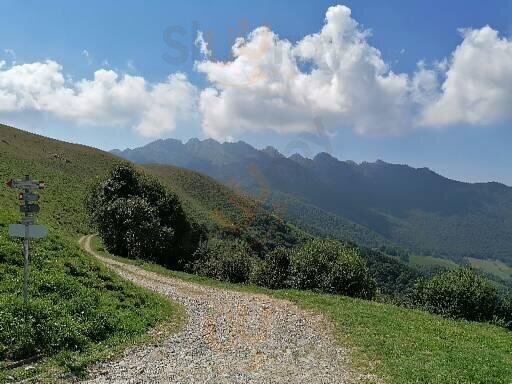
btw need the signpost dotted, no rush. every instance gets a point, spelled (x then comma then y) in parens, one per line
(28, 230)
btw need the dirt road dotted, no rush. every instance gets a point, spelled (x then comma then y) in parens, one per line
(230, 337)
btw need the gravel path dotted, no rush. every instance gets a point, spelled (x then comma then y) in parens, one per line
(230, 337)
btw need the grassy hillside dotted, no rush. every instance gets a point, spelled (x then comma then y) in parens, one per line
(400, 345)
(66, 168)
(225, 210)
(494, 267)
(79, 311)
(206, 200)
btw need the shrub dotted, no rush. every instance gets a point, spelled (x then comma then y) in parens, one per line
(274, 270)
(329, 266)
(137, 218)
(504, 316)
(228, 260)
(459, 294)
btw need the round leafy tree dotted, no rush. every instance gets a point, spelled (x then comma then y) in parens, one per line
(274, 270)
(330, 266)
(459, 293)
(137, 218)
(228, 260)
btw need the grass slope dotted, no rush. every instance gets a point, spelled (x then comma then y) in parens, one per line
(400, 345)
(494, 267)
(66, 168)
(425, 262)
(79, 311)
(226, 211)
(206, 200)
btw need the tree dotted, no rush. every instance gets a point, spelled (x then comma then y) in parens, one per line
(274, 270)
(330, 266)
(228, 260)
(137, 218)
(460, 294)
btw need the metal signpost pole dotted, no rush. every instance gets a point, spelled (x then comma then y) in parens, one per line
(26, 245)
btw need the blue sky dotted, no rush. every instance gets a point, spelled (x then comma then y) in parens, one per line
(152, 40)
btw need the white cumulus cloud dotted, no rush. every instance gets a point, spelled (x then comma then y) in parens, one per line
(108, 99)
(330, 79)
(336, 79)
(478, 82)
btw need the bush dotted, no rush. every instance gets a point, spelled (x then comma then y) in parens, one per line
(228, 260)
(459, 294)
(329, 266)
(504, 317)
(137, 218)
(392, 276)
(274, 270)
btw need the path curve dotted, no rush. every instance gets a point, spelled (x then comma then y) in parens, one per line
(230, 337)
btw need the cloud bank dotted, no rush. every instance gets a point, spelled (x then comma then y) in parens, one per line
(330, 80)
(109, 99)
(478, 82)
(335, 79)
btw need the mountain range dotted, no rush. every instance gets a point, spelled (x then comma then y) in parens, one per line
(374, 204)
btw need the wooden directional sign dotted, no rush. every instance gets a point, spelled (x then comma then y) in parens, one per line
(25, 184)
(34, 231)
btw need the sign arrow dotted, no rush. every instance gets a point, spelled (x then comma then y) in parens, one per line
(26, 184)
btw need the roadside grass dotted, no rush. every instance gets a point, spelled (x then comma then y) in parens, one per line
(397, 344)
(79, 312)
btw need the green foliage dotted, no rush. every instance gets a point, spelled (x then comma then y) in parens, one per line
(393, 277)
(74, 303)
(273, 272)
(137, 218)
(228, 260)
(329, 266)
(392, 250)
(460, 294)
